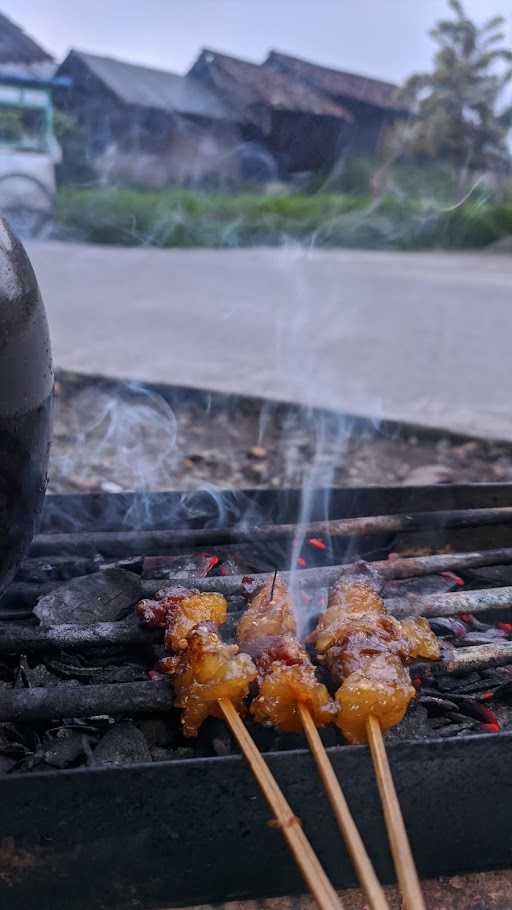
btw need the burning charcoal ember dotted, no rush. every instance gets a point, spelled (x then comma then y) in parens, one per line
(317, 543)
(189, 566)
(476, 709)
(124, 743)
(101, 597)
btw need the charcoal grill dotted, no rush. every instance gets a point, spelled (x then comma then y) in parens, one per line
(196, 830)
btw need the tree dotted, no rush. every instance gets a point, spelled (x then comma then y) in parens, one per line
(456, 105)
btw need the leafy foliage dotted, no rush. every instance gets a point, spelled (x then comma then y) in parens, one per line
(457, 117)
(183, 218)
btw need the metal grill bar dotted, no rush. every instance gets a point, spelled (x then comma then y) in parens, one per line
(133, 543)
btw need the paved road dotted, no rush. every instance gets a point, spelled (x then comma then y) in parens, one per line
(419, 337)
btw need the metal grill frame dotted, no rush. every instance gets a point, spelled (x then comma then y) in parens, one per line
(195, 830)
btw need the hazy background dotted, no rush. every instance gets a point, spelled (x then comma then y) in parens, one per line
(383, 38)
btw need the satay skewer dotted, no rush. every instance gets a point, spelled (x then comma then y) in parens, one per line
(367, 651)
(211, 677)
(290, 825)
(403, 860)
(362, 864)
(268, 631)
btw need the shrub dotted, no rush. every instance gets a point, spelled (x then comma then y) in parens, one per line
(183, 218)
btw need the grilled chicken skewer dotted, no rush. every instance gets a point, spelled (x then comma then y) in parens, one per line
(286, 677)
(212, 678)
(202, 666)
(292, 699)
(366, 651)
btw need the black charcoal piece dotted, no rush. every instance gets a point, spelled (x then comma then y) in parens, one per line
(428, 584)
(120, 673)
(64, 749)
(101, 597)
(41, 676)
(158, 731)
(123, 744)
(415, 725)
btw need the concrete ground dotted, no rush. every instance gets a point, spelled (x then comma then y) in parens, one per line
(421, 337)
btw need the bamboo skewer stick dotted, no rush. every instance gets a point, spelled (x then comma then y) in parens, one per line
(398, 840)
(304, 856)
(362, 864)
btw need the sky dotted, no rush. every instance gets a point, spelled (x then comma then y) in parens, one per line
(383, 38)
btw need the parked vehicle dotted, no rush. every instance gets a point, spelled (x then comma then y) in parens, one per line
(29, 152)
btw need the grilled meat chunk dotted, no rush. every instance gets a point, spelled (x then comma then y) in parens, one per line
(365, 651)
(208, 670)
(286, 675)
(178, 610)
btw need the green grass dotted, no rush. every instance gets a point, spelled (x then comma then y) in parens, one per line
(184, 218)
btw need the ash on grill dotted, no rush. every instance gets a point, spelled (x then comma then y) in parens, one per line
(72, 648)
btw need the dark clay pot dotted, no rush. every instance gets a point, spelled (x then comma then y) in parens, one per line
(26, 381)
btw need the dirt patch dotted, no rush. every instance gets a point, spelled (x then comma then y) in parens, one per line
(480, 891)
(115, 436)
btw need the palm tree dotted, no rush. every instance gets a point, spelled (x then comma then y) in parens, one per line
(456, 115)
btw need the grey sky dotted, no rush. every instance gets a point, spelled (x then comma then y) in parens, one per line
(384, 38)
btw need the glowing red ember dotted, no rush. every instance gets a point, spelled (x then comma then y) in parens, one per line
(317, 543)
(491, 728)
